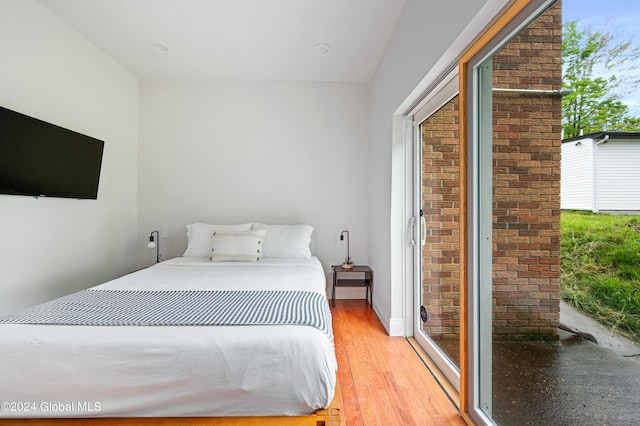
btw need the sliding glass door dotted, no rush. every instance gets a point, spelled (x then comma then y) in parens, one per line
(436, 204)
(486, 205)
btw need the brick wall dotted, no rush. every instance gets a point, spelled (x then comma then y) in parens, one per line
(526, 194)
(526, 183)
(441, 208)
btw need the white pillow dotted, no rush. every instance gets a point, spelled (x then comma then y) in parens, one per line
(237, 246)
(199, 237)
(291, 241)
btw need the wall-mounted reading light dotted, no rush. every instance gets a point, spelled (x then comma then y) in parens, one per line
(152, 244)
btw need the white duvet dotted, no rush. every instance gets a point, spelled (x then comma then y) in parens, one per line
(167, 371)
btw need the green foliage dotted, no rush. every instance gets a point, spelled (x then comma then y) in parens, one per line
(600, 267)
(595, 66)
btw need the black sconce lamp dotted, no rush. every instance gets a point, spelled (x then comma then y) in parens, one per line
(153, 244)
(348, 263)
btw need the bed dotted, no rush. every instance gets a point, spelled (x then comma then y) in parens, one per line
(270, 362)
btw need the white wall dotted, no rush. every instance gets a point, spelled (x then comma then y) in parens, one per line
(577, 173)
(599, 176)
(51, 247)
(213, 151)
(419, 51)
(618, 175)
(274, 152)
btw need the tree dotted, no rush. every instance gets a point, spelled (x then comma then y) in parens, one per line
(595, 68)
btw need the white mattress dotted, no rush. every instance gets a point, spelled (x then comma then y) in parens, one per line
(166, 371)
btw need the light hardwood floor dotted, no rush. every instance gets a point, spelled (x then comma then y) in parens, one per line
(382, 380)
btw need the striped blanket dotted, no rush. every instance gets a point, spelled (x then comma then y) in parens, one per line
(166, 308)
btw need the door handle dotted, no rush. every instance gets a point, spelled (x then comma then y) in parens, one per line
(423, 229)
(412, 231)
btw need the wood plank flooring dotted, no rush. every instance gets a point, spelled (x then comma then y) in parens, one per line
(382, 380)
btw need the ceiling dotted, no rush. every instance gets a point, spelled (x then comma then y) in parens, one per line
(238, 39)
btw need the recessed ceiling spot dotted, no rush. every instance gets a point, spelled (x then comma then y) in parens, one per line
(321, 49)
(158, 45)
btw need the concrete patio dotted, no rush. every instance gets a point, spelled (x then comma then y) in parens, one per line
(569, 382)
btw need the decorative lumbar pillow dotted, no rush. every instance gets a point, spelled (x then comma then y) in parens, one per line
(290, 241)
(199, 237)
(237, 246)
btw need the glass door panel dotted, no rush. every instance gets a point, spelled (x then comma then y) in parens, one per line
(516, 207)
(438, 326)
(525, 208)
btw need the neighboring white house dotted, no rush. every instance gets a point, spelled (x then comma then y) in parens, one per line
(601, 172)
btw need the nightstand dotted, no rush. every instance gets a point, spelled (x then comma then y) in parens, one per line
(366, 281)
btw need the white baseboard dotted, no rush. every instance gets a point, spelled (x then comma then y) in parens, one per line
(396, 327)
(393, 326)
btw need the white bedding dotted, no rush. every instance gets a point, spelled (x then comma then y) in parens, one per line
(166, 371)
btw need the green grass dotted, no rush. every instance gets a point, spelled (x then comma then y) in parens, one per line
(600, 268)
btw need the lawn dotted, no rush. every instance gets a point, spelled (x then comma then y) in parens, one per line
(600, 268)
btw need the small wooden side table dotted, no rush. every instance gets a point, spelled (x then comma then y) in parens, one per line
(367, 281)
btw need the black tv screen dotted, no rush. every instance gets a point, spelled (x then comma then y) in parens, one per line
(44, 160)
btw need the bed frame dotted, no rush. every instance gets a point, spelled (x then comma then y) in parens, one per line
(325, 417)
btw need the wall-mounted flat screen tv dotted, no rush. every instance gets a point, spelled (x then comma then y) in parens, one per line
(44, 160)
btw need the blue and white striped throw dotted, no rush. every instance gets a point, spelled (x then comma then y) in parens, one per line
(161, 308)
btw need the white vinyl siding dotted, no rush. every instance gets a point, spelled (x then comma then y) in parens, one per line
(618, 175)
(576, 181)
